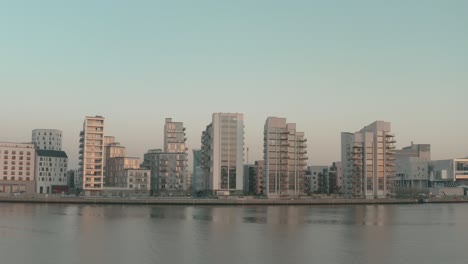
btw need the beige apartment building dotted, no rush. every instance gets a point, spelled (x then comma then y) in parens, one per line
(17, 163)
(91, 155)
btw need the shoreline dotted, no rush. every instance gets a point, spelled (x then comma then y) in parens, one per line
(224, 202)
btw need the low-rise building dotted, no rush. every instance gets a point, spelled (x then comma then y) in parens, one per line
(412, 166)
(116, 170)
(448, 173)
(314, 175)
(51, 171)
(138, 180)
(17, 162)
(168, 172)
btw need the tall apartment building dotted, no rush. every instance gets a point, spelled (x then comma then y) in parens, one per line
(174, 137)
(223, 153)
(17, 163)
(367, 159)
(412, 166)
(47, 139)
(91, 155)
(169, 174)
(51, 171)
(112, 149)
(285, 155)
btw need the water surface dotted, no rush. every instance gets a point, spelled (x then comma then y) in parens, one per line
(41, 233)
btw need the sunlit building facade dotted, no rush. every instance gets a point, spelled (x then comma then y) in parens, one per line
(368, 161)
(285, 156)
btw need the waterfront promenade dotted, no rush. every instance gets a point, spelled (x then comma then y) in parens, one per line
(220, 201)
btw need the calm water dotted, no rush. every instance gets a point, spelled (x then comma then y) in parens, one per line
(177, 234)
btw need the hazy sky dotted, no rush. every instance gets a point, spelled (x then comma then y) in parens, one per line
(329, 66)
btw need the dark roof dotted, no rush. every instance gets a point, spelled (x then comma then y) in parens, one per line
(52, 153)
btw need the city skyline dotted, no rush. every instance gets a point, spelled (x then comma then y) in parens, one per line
(324, 66)
(253, 155)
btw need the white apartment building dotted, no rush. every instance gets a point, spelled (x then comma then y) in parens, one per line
(47, 139)
(367, 160)
(285, 156)
(91, 155)
(17, 163)
(51, 171)
(223, 153)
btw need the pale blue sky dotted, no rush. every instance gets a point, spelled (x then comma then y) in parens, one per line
(329, 66)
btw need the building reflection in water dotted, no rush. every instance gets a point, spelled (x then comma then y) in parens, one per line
(369, 236)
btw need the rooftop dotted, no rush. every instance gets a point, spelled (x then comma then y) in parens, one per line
(52, 153)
